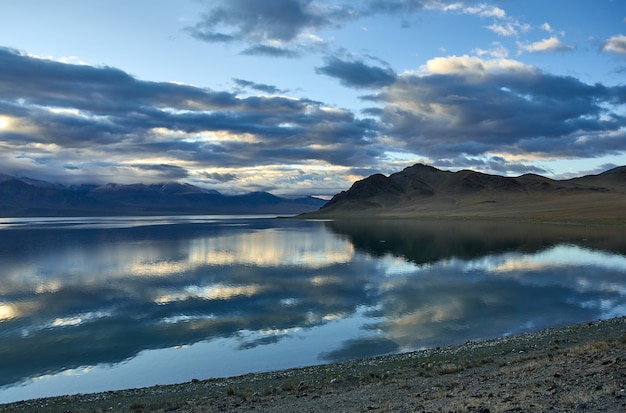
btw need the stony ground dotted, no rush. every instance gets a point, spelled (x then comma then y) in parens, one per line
(573, 369)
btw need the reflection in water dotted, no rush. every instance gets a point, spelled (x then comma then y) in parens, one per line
(86, 306)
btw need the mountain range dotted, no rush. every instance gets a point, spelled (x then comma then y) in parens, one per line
(23, 197)
(425, 191)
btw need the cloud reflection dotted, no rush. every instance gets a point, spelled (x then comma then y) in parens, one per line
(448, 283)
(213, 292)
(102, 296)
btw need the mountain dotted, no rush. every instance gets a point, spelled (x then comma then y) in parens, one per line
(425, 191)
(28, 197)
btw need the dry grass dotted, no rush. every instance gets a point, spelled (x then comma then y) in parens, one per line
(588, 208)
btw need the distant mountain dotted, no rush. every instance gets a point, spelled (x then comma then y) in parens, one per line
(28, 197)
(425, 191)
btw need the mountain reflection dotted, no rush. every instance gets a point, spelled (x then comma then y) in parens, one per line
(477, 280)
(83, 297)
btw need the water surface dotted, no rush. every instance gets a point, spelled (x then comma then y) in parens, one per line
(93, 304)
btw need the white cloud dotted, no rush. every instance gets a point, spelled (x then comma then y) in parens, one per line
(482, 9)
(552, 44)
(511, 28)
(498, 51)
(485, 10)
(473, 65)
(447, 7)
(616, 44)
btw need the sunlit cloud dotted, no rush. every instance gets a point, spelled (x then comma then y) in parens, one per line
(552, 44)
(474, 107)
(507, 29)
(77, 320)
(474, 66)
(485, 10)
(212, 292)
(325, 280)
(270, 248)
(5, 122)
(158, 132)
(616, 44)
(8, 312)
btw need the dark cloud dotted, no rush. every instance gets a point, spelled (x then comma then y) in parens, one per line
(104, 113)
(258, 86)
(473, 107)
(167, 172)
(356, 73)
(493, 164)
(460, 110)
(271, 51)
(398, 6)
(216, 176)
(103, 89)
(258, 21)
(262, 23)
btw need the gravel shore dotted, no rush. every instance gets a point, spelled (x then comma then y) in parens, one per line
(572, 369)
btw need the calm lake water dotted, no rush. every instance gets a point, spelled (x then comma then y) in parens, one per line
(96, 304)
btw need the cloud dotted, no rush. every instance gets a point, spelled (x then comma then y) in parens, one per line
(492, 164)
(552, 44)
(356, 73)
(616, 44)
(474, 66)
(61, 120)
(280, 28)
(476, 107)
(503, 25)
(270, 51)
(255, 21)
(291, 28)
(485, 10)
(509, 28)
(164, 171)
(498, 51)
(261, 87)
(63, 114)
(269, 20)
(220, 177)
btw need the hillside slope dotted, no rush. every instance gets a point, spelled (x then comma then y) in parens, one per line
(425, 191)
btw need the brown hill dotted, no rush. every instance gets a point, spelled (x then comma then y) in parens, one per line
(425, 191)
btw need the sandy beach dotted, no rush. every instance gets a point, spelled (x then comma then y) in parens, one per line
(576, 368)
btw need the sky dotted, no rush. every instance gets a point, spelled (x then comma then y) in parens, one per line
(304, 97)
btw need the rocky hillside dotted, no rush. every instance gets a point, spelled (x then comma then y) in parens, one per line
(422, 190)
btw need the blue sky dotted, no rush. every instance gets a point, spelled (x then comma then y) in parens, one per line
(307, 96)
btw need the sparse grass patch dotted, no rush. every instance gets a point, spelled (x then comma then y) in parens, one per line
(436, 395)
(592, 347)
(450, 368)
(137, 406)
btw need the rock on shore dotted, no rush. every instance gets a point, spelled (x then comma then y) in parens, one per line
(578, 368)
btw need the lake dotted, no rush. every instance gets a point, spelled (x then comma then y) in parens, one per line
(95, 304)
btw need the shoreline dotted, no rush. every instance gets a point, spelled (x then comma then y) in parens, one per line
(358, 215)
(567, 368)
